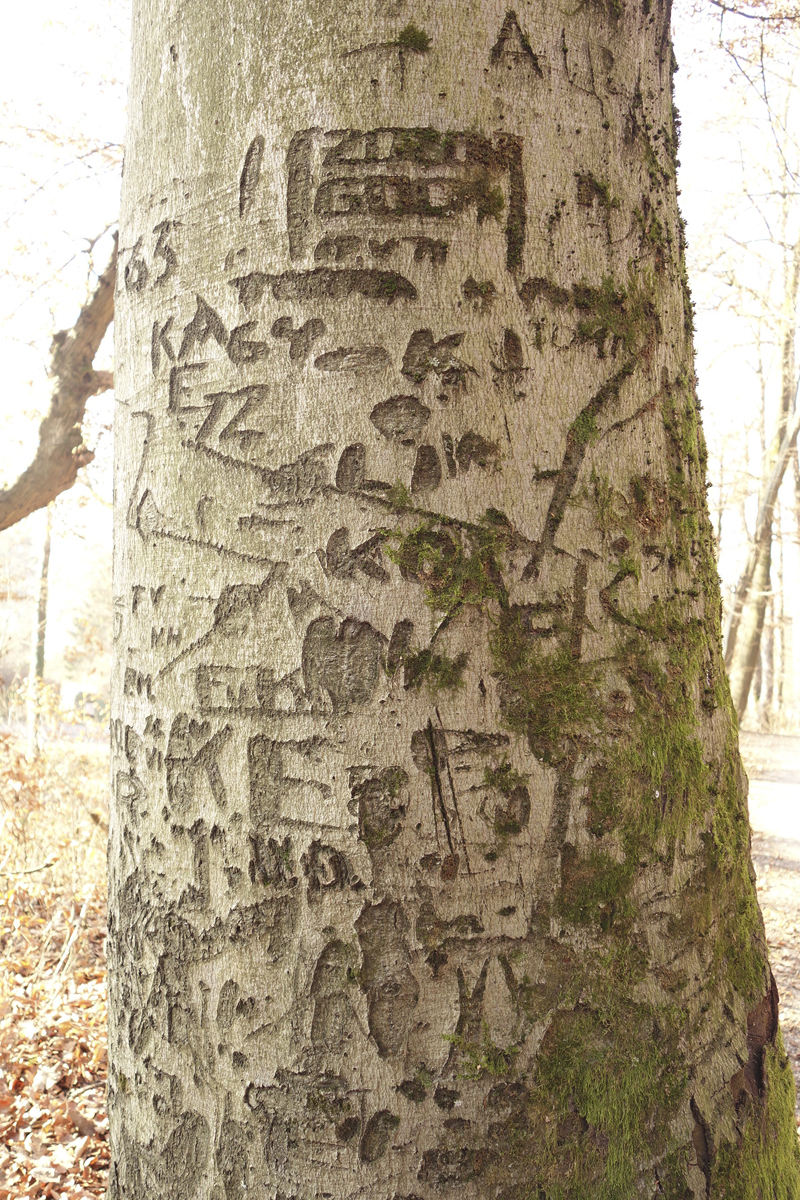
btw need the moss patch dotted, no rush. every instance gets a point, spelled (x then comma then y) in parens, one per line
(549, 697)
(594, 888)
(479, 1059)
(625, 316)
(399, 497)
(591, 189)
(505, 778)
(656, 789)
(457, 564)
(611, 1079)
(584, 429)
(654, 238)
(767, 1161)
(436, 671)
(413, 38)
(740, 951)
(611, 316)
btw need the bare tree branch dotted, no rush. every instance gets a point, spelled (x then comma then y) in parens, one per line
(769, 18)
(61, 452)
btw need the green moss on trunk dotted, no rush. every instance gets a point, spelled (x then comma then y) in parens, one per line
(766, 1162)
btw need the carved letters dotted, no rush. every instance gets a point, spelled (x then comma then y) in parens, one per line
(302, 742)
(387, 177)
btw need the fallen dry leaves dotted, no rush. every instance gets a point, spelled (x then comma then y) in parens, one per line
(52, 1049)
(53, 1127)
(779, 897)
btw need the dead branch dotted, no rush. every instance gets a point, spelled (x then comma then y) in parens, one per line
(61, 452)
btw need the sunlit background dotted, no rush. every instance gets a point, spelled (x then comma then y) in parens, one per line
(63, 69)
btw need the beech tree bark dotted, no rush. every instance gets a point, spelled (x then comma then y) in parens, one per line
(429, 849)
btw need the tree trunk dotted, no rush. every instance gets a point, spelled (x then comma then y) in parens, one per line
(783, 622)
(36, 669)
(750, 627)
(746, 620)
(787, 671)
(429, 853)
(766, 701)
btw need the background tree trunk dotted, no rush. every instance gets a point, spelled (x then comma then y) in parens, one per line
(766, 701)
(36, 670)
(784, 623)
(750, 625)
(746, 621)
(429, 852)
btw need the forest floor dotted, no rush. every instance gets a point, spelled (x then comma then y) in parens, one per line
(773, 765)
(53, 825)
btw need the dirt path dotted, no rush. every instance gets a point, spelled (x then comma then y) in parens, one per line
(773, 765)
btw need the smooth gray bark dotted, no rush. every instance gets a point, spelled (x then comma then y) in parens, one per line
(429, 868)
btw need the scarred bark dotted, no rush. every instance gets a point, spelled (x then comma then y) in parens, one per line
(61, 452)
(429, 852)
